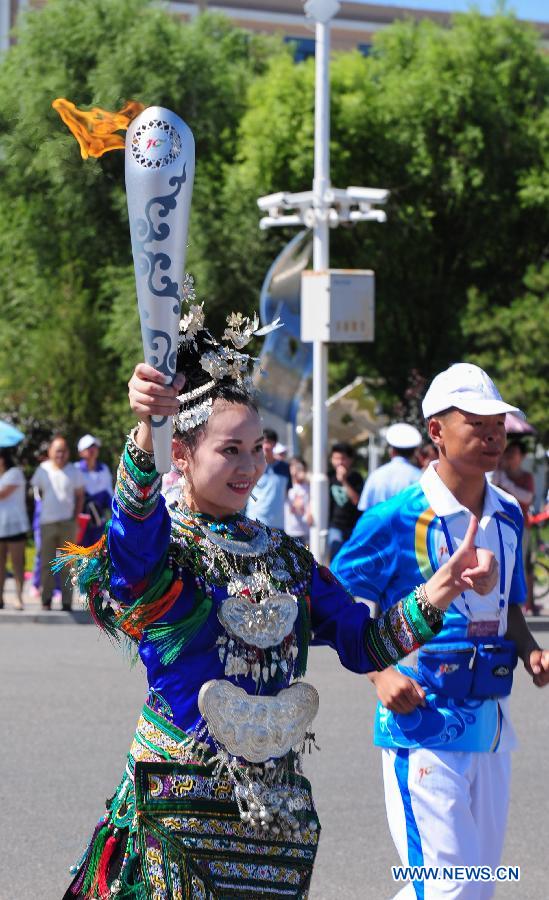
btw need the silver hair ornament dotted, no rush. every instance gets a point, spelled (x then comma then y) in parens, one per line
(188, 419)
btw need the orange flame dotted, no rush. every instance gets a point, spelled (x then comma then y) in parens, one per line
(95, 130)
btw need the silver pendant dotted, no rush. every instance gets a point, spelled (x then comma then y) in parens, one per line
(281, 575)
(252, 583)
(257, 728)
(260, 625)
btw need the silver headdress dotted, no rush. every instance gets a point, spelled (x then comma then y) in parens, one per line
(207, 362)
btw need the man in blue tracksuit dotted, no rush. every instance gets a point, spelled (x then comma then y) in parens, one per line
(443, 718)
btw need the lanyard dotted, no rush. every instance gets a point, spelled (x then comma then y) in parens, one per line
(501, 564)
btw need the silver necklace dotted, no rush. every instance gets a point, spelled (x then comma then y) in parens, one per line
(257, 546)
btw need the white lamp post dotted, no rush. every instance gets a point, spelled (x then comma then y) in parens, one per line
(320, 209)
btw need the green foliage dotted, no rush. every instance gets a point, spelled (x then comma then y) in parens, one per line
(453, 121)
(512, 343)
(70, 334)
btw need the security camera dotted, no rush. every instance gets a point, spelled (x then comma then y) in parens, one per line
(271, 201)
(369, 195)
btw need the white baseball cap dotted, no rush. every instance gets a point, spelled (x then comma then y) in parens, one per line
(279, 448)
(403, 436)
(466, 387)
(87, 441)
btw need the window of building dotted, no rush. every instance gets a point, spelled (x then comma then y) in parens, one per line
(303, 47)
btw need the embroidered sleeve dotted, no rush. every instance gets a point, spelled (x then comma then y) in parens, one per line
(126, 578)
(136, 491)
(402, 629)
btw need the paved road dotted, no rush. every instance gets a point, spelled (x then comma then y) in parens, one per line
(69, 702)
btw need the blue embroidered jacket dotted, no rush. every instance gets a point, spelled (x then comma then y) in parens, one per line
(138, 541)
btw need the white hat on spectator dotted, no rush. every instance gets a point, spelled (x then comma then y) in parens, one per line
(402, 436)
(466, 387)
(279, 449)
(87, 441)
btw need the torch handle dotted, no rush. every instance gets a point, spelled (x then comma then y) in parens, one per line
(159, 180)
(162, 432)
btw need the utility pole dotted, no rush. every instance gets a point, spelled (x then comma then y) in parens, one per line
(322, 13)
(321, 209)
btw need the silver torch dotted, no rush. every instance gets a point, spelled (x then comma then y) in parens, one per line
(159, 184)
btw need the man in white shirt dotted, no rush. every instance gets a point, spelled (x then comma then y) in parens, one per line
(61, 488)
(399, 473)
(268, 497)
(443, 718)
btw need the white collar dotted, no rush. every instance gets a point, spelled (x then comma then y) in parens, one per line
(442, 501)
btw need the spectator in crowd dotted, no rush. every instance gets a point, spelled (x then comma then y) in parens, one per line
(513, 478)
(61, 487)
(345, 488)
(14, 524)
(97, 486)
(426, 454)
(399, 473)
(297, 512)
(266, 503)
(280, 451)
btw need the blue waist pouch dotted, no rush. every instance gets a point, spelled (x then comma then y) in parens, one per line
(479, 669)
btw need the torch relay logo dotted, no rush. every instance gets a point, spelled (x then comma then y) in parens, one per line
(155, 144)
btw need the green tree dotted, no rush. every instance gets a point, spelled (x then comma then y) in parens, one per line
(451, 121)
(70, 335)
(512, 341)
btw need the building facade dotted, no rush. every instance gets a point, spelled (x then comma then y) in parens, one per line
(353, 28)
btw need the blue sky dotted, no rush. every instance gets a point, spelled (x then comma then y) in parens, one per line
(537, 10)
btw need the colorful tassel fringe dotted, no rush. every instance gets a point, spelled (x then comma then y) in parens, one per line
(169, 638)
(102, 886)
(154, 604)
(91, 868)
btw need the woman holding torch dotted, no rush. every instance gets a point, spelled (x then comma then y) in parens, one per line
(222, 610)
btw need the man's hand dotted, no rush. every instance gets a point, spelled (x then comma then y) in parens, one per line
(473, 568)
(398, 692)
(469, 568)
(537, 664)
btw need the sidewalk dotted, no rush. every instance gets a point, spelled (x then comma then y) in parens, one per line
(33, 611)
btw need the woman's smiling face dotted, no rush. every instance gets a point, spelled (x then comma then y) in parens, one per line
(223, 468)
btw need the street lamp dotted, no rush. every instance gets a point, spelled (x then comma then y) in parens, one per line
(322, 10)
(321, 209)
